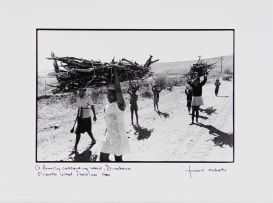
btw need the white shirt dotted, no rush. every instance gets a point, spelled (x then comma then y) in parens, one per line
(84, 103)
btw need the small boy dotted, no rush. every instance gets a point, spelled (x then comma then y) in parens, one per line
(188, 92)
(217, 85)
(133, 102)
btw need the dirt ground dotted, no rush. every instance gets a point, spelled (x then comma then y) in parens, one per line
(163, 136)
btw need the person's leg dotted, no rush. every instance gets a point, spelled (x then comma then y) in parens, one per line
(197, 113)
(78, 137)
(118, 158)
(136, 116)
(189, 106)
(104, 157)
(192, 114)
(92, 137)
(132, 116)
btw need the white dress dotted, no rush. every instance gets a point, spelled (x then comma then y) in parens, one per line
(116, 141)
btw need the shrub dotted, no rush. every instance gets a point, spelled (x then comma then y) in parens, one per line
(227, 77)
(228, 71)
(146, 94)
(174, 82)
(170, 88)
(161, 80)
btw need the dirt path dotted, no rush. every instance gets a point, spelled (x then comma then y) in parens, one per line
(173, 139)
(161, 137)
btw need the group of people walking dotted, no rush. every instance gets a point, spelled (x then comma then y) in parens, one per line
(115, 140)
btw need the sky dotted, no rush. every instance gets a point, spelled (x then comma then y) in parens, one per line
(167, 46)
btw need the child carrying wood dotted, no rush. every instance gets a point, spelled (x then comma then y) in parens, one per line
(156, 90)
(197, 95)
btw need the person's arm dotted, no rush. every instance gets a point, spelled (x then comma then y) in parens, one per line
(186, 92)
(120, 99)
(204, 81)
(189, 82)
(90, 103)
(129, 91)
(94, 113)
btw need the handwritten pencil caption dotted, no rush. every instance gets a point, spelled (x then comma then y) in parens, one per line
(101, 170)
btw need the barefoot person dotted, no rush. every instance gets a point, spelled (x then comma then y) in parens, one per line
(133, 101)
(197, 96)
(84, 121)
(188, 92)
(115, 141)
(156, 90)
(217, 85)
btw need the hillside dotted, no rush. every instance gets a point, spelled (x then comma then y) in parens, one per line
(182, 67)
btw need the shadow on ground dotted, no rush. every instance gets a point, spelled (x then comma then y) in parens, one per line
(143, 133)
(203, 117)
(165, 115)
(209, 110)
(85, 156)
(222, 96)
(221, 138)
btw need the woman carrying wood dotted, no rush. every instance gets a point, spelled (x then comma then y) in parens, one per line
(115, 141)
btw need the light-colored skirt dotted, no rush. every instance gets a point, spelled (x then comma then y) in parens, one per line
(197, 101)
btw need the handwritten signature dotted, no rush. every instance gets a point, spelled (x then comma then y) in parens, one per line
(202, 170)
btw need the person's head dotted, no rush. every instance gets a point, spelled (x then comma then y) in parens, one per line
(82, 92)
(111, 94)
(196, 81)
(217, 80)
(195, 75)
(134, 90)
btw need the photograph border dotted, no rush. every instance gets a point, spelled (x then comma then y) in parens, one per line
(83, 29)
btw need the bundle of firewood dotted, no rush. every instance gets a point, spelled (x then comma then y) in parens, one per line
(199, 69)
(74, 73)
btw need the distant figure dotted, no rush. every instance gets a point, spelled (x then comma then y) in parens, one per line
(188, 92)
(84, 121)
(116, 141)
(197, 96)
(156, 90)
(217, 85)
(133, 102)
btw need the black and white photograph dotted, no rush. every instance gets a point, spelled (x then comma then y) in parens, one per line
(112, 95)
(136, 101)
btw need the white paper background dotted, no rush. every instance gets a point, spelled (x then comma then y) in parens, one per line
(249, 179)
